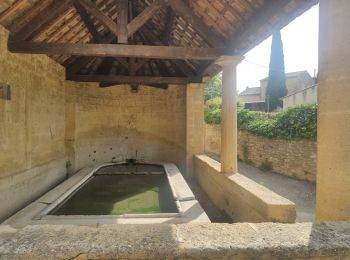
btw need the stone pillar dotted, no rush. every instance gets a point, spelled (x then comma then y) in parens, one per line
(195, 127)
(229, 113)
(333, 162)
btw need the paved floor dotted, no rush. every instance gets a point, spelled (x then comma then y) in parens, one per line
(215, 215)
(302, 193)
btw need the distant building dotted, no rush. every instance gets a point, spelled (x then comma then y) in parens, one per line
(305, 96)
(254, 98)
(251, 95)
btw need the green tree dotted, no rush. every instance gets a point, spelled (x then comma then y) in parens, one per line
(214, 88)
(276, 85)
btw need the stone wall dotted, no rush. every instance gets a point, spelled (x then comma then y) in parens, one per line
(295, 158)
(50, 123)
(113, 124)
(32, 127)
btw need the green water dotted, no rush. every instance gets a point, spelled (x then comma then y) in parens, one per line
(120, 194)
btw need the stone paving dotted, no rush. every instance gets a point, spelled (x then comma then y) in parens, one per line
(215, 215)
(302, 193)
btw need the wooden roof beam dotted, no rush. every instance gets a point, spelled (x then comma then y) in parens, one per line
(187, 13)
(137, 80)
(85, 17)
(123, 13)
(98, 14)
(168, 26)
(160, 86)
(81, 62)
(143, 17)
(117, 50)
(182, 65)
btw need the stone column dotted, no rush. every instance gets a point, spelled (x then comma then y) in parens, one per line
(195, 127)
(229, 113)
(333, 162)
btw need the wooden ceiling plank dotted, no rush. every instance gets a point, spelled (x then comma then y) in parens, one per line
(140, 64)
(123, 11)
(43, 19)
(123, 62)
(85, 17)
(98, 14)
(143, 17)
(50, 29)
(168, 26)
(21, 21)
(12, 10)
(117, 50)
(262, 17)
(105, 66)
(121, 79)
(187, 13)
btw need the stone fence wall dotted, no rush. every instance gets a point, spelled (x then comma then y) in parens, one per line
(296, 158)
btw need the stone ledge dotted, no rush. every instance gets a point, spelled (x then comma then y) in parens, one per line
(241, 198)
(194, 241)
(17, 191)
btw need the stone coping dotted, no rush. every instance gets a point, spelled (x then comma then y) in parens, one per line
(264, 194)
(36, 213)
(242, 198)
(184, 241)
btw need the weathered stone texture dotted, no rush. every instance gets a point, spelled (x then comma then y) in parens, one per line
(113, 124)
(241, 198)
(333, 122)
(31, 123)
(32, 127)
(296, 158)
(187, 241)
(195, 126)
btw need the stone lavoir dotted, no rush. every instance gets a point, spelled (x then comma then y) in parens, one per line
(91, 83)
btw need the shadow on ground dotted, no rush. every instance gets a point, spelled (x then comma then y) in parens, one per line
(302, 193)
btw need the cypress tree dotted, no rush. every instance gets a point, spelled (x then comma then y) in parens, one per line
(276, 85)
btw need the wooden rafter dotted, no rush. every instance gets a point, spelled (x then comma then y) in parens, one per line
(105, 66)
(120, 79)
(168, 26)
(123, 7)
(44, 18)
(143, 17)
(140, 64)
(11, 10)
(88, 22)
(98, 14)
(117, 50)
(187, 13)
(240, 41)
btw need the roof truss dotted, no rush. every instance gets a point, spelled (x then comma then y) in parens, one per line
(144, 39)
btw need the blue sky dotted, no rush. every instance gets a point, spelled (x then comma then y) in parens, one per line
(300, 44)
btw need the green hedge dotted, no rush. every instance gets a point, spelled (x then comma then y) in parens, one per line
(299, 122)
